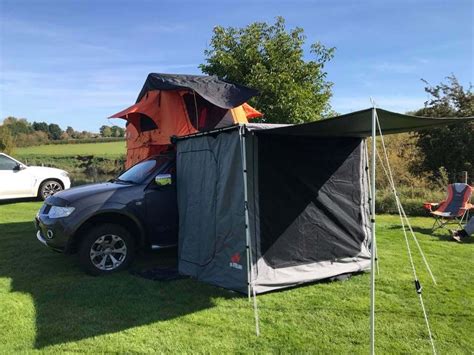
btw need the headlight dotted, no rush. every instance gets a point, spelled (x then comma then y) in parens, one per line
(60, 212)
(65, 174)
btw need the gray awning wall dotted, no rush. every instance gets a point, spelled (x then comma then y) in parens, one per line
(210, 192)
(359, 124)
(308, 208)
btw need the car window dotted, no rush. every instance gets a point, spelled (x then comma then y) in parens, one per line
(139, 172)
(168, 167)
(7, 163)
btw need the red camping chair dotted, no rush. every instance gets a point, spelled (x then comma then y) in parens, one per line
(455, 208)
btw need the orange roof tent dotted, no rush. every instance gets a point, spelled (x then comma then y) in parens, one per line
(177, 105)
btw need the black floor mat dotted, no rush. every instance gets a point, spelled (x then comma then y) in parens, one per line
(159, 273)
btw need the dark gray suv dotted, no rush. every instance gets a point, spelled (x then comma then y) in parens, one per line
(106, 223)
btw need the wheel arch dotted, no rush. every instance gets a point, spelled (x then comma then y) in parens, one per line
(132, 225)
(43, 180)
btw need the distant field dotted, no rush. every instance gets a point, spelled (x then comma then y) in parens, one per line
(97, 149)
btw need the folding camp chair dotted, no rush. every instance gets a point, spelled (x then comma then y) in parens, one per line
(454, 209)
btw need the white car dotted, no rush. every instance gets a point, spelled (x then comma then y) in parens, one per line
(18, 180)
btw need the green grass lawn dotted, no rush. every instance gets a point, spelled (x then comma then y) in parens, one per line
(48, 304)
(97, 149)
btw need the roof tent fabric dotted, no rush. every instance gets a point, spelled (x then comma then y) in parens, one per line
(308, 208)
(219, 92)
(166, 110)
(170, 105)
(359, 124)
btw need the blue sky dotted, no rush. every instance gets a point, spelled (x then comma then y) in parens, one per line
(77, 62)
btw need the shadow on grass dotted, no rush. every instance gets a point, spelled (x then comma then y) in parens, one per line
(17, 200)
(70, 305)
(442, 234)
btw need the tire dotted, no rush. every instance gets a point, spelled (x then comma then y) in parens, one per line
(105, 249)
(49, 188)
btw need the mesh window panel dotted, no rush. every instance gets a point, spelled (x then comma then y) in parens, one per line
(309, 199)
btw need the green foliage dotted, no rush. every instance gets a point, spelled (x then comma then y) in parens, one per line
(26, 134)
(403, 155)
(40, 126)
(117, 131)
(55, 131)
(442, 178)
(270, 58)
(105, 131)
(77, 165)
(114, 131)
(18, 125)
(450, 147)
(7, 143)
(35, 138)
(70, 131)
(412, 199)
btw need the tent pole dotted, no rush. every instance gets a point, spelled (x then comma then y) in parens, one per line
(372, 244)
(370, 197)
(250, 285)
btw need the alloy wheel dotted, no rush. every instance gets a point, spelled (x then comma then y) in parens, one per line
(108, 252)
(51, 188)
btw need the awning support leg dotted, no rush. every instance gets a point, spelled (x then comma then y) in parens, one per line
(373, 241)
(250, 273)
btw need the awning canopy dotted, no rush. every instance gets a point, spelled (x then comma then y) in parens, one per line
(359, 124)
(219, 92)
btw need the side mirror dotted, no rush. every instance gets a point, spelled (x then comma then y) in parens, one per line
(163, 180)
(19, 167)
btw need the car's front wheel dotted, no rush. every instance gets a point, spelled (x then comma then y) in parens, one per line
(105, 249)
(49, 188)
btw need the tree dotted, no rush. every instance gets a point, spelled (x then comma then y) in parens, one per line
(18, 125)
(55, 131)
(7, 143)
(117, 131)
(28, 140)
(271, 59)
(41, 126)
(70, 131)
(105, 131)
(451, 147)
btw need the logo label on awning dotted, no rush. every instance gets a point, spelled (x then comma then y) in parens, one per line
(235, 260)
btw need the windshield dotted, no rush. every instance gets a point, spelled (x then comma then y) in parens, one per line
(139, 172)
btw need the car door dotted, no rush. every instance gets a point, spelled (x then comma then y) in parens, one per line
(162, 208)
(14, 181)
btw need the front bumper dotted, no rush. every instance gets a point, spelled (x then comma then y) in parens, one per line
(43, 241)
(51, 233)
(40, 238)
